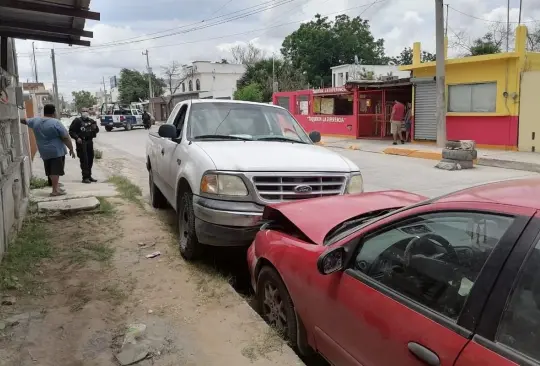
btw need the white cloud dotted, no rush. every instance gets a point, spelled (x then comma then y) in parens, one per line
(399, 22)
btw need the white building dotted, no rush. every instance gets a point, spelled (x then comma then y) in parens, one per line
(211, 79)
(201, 80)
(341, 74)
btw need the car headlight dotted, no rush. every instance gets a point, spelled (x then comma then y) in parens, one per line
(223, 185)
(356, 184)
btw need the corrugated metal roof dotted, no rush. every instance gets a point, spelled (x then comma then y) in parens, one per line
(58, 21)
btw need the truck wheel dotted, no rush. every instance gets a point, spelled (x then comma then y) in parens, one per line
(189, 245)
(108, 128)
(157, 199)
(128, 127)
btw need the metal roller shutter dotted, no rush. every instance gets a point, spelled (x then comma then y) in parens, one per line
(425, 108)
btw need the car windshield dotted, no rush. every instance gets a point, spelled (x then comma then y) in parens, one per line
(246, 121)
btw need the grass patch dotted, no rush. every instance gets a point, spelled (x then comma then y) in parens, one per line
(268, 342)
(127, 190)
(114, 294)
(98, 154)
(85, 251)
(38, 183)
(105, 207)
(211, 284)
(29, 247)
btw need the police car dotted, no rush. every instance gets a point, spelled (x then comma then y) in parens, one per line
(116, 116)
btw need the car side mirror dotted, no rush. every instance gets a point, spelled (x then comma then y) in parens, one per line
(168, 131)
(331, 261)
(315, 136)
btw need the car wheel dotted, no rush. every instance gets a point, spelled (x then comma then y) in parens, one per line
(157, 199)
(275, 304)
(189, 245)
(108, 129)
(128, 127)
(462, 155)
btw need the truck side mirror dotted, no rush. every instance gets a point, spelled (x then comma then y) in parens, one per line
(168, 131)
(315, 136)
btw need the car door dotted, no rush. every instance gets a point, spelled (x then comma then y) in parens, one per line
(171, 154)
(509, 330)
(159, 167)
(405, 298)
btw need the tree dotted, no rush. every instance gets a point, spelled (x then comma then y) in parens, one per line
(133, 86)
(533, 39)
(83, 99)
(491, 42)
(251, 92)
(174, 77)
(406, 57)
(246, 55)
(260, 73)
(318, 45)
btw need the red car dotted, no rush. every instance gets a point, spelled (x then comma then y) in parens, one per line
(393, 279)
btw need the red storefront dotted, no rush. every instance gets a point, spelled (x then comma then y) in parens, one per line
(357, 110)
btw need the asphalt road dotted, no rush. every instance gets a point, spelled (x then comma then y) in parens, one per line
(380, 171)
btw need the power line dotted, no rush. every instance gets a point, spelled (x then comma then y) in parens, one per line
(489, 20)
(221, 7)
(90, 50)
(267, 5)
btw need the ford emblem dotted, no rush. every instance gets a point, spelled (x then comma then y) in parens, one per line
(303, 189)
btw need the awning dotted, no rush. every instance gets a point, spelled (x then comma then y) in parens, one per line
(57, 21)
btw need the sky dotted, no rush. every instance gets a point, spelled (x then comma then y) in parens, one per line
(190, 30)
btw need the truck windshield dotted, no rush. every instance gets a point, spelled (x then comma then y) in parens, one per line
(251, 121)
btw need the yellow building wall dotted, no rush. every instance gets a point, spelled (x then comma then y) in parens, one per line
(501, 71)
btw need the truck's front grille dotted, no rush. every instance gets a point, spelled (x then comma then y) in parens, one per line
(287, 188)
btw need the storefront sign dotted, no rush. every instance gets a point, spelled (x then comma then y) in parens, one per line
(328, 119)
(330, 90)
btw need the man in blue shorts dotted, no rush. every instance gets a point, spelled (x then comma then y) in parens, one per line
(51, 138)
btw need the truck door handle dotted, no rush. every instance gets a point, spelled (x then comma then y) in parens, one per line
(427, 356)
(162, 151)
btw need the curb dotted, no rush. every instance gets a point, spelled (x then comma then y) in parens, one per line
(433, 155)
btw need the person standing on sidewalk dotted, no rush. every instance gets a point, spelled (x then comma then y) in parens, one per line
(408, 122)
(51, 139)
(83, 130)
(396, 121)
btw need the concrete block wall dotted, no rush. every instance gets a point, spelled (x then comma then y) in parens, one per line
(15, 167)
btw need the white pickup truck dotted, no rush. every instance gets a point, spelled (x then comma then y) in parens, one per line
(219, 162)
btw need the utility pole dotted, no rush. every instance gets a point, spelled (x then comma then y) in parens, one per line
(446, 20)
(440, 73)
(55, 89)
(35, 64)
(149, 70)
(104, 91)
(274, 84)
(508, 27)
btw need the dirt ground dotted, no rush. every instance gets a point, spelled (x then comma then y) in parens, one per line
(71, 286)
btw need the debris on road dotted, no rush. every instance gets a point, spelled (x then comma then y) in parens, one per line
(8, 300)
(131, 354)
(154, 255)
(134, 332)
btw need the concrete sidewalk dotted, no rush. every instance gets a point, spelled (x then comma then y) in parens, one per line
(80, 196)
(495, 158)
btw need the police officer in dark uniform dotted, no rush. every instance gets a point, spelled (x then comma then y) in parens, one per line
(147, 120)
(83, 130)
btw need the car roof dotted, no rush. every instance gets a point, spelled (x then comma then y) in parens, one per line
(233, 101)
(516, 192)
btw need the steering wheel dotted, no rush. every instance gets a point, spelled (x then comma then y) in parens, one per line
(429, 238)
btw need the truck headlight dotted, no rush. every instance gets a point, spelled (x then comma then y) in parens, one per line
(356, 184)
(223, 185)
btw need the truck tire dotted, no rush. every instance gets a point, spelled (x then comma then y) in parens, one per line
(108, 128)
(464, 164)
(461, 155)
(128, 126)
(189, 245)
(453, 144)
(157, 199)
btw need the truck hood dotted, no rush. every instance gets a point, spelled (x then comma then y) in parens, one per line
(316, 217)
(260, 156)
